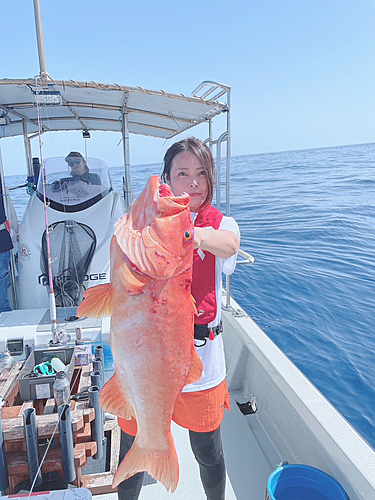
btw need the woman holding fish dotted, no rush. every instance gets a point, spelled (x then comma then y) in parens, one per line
(189, 169)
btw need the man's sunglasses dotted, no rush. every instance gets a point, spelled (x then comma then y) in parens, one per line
(74, 162)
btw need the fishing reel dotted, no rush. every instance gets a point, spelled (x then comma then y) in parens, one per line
(62, 337)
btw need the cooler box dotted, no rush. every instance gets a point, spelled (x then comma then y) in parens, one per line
(41, 387)
(295, 482)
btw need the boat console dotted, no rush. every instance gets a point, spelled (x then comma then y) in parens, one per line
(81, 213)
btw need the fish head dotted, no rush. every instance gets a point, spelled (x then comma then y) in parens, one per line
(157, 232)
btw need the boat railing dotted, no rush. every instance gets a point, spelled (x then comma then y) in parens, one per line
(214, 90)
(212, 87)
(247, 259)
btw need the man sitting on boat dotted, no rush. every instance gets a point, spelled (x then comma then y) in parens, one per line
(79, 171)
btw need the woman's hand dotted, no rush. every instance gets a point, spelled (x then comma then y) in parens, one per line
(219, 242)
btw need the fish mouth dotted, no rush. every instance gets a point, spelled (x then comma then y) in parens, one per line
(146, 233)
(167, 201)
(165, 190)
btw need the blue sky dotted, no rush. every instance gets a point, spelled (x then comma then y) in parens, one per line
(302, 72)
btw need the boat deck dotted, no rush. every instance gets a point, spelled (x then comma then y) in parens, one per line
(247, 468)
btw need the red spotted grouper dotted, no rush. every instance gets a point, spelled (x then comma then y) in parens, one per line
(152, 324)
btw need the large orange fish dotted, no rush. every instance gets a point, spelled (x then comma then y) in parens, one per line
(152, 316)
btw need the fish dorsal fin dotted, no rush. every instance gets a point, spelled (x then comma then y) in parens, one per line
(196, 368)
(114, 399)
(97, 302)
(132, 285)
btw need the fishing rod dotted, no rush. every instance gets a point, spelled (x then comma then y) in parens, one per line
(42, 77)
(52, 300)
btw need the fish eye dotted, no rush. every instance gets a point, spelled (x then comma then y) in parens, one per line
(188, 235)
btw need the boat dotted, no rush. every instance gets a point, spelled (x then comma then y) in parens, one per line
(279, 416)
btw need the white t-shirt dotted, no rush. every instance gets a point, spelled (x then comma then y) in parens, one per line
(211, 352)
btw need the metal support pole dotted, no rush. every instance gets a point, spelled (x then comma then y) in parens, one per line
(218, 175)
(229, 152)
(227, 194)
(97, 425)
(39, 39)
(210, 133)
(31, 435)
(12, 263)
(4, 478)
(220, 140)
(28, 154)
(127, 187)
(66, 440)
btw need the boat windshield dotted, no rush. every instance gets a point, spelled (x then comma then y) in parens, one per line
(74, 187)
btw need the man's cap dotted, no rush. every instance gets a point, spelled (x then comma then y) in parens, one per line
(73, 154)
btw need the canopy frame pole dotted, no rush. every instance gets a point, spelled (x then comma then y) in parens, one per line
(210, 133)
(40, 42)
(28, 153)
(219, 90)
(229, 150)
(227, 183)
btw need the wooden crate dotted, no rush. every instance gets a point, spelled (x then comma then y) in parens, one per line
(47, 423)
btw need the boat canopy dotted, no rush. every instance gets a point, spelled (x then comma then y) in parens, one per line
(72, 105)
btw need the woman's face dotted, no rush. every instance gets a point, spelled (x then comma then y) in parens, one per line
(77, 165)
(188, 175)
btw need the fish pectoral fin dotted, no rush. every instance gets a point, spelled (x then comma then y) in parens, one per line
(97, 302)
(114, 399)
(196, 368)
(195, 310)
(132, 285)
(162, 465)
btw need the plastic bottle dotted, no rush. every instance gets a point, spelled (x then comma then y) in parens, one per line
(6, 361)
(58, 365)
(61, 389)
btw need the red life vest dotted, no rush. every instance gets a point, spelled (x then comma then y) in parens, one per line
(203, 284)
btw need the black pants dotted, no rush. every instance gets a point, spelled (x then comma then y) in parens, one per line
(208, 451)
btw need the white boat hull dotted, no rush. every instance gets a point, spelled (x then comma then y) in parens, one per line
(294, 421)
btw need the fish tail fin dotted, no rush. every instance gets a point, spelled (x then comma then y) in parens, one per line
(97, 302)
(162, 465)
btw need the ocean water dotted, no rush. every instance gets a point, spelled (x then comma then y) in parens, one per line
(308, 218)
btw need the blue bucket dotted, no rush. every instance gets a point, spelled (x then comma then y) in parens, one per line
(301, 482)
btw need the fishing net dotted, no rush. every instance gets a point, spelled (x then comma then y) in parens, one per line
(72, 246)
